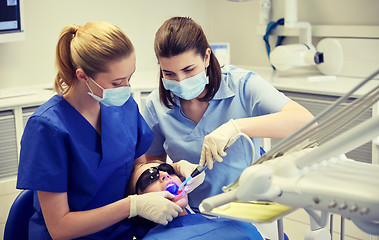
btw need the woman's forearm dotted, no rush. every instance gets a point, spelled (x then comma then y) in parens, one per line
(276, 125)
(63, 224)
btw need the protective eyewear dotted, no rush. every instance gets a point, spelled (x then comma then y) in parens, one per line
(151, 175)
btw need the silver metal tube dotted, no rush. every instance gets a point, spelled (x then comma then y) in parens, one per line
(331, 226)
(342, 228)
(343, 143)
(280, 229)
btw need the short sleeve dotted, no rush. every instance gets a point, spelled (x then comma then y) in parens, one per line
(145, 137)
(43, 158)
(156, 147)
(260, 96)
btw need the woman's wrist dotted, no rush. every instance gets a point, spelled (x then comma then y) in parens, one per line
(128, 206)
(239, 124)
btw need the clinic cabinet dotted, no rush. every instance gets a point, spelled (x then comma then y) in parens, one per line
(9, 132)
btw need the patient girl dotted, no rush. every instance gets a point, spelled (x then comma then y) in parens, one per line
(156, 176)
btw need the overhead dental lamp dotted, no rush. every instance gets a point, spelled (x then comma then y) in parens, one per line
(285, 57)
(290, 56)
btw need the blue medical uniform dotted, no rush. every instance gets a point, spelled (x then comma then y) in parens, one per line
(62, 152)
(196, 226)
(242, 94)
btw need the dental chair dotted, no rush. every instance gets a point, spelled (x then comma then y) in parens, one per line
(309, 170)
(17, 224)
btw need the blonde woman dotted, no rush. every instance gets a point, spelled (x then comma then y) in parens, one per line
(78, 149)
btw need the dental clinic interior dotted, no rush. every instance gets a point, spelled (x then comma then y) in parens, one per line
(323, 54)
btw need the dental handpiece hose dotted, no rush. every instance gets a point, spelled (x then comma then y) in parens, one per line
(200, 169)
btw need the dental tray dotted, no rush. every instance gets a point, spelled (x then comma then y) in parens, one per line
(254, 211)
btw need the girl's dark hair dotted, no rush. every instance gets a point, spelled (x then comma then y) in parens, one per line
(178, 35)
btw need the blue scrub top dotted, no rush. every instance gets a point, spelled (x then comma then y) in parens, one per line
(242, 94)
(196, 226)
(62, 152)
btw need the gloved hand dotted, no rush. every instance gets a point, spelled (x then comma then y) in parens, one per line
(154, 206)
(185, 169)
(215, 142)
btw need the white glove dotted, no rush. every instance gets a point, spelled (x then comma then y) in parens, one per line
(185, 169)
(154, 206)
(215, 143)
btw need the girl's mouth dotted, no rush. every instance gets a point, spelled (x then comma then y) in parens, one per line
(173, 188)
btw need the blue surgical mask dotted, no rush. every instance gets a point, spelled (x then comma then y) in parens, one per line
(189, 88)
(111, 96)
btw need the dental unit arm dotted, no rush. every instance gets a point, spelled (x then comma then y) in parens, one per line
(309, 169)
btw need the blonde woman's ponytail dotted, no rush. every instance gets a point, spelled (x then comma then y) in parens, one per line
(66, 70)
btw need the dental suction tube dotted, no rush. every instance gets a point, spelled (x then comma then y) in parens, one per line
(234, 184)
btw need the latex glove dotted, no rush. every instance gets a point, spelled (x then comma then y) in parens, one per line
(185, 169)
(154, 206)
(215, 143)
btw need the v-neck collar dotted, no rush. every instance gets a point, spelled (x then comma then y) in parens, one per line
(78, 115)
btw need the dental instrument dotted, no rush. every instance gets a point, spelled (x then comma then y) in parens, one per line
(309, 169)
(200, 169)
(189, 178)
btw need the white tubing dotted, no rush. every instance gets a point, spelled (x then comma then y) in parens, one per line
(208, 204)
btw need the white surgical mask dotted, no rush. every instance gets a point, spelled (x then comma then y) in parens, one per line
(111, 96)
(188, 88)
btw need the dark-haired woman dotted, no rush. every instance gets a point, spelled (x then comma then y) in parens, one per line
(200, 106)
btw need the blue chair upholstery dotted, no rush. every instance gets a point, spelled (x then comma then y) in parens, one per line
(17, 224)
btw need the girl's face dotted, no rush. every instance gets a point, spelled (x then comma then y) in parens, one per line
(161, 183)
(184, 65)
